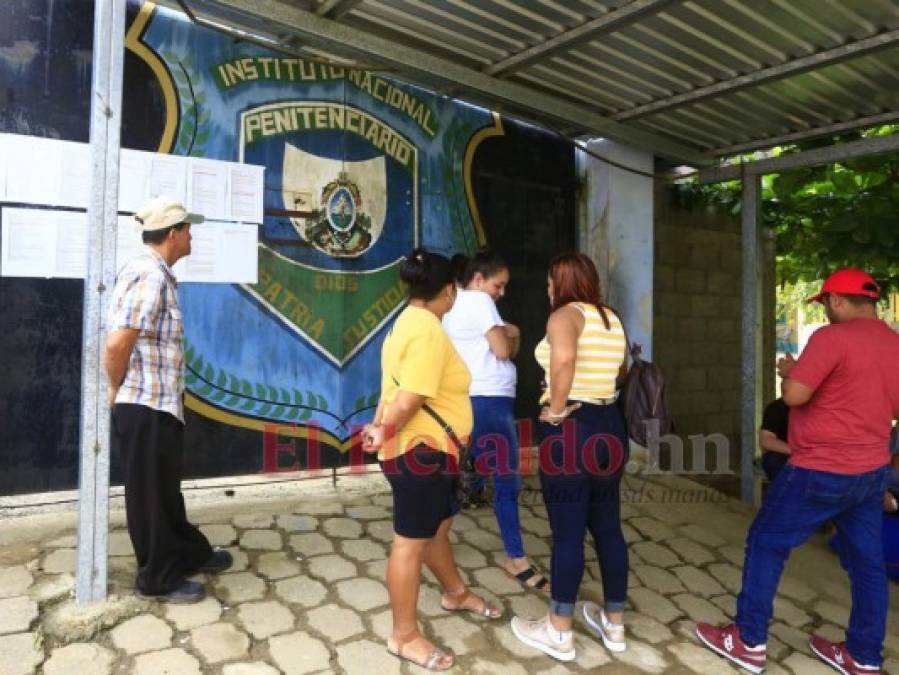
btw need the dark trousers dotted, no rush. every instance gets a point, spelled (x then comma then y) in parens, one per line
(166, 546)
(581, 465)
(798, 503)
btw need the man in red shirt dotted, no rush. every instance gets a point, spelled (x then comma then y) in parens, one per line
(843, 394)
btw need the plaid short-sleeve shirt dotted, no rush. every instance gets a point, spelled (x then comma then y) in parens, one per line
(145, 298)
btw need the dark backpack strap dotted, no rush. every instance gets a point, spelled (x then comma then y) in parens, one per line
(447, 429)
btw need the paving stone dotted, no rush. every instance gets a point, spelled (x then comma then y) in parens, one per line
(144, 633)
(643, 657)
(699, 659)
(656, 554)
(50, 588)
(331, 567)
(381, 530)
(646, 628)
(462, 523)
(467, 556)
(241, 560)
(658, 579)
(187, 617)
(385, 500)
(830, 632)
(120, 544)
(806, 665)
(266, 540)
(482, 666)
(789, 613)
(264, 619)
(776, 649)
(654, 605)
(652, 528)
(536, 526)
(726, 603)
(71, 622)
(362, 550)
(60, 561)
(367, 512)
(16, 614)
(250, 521)
(362, 594)
(335, 622)
(299, 653)
(219, 535)
(277, 565)
(498, 581)
(795, 638)
(730, 577)
(79, 658)
(301, 590)
(535, 546)
(14, 581)
(219, 642)
(295, 522)
(310, 544)
(18, 654)
(734, 554)
(342, 528)
(832, 612)
(321, 508)
(377, 569)
(689, 550)
(166, 662)
(698, 581)
(631, 536)
(795, 589)
(255, 668)
(485, 541)
(703, 535)
(699, 609)
(503, 636)
(891, 666)
(364, 657)
(459, 635)
(382, 624)
(65, 541)
(590, 651)
(239, 587)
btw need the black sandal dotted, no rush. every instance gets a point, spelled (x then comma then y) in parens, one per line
(529, 574)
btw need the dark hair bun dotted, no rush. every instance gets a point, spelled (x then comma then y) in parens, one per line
(414, 269)
(425, 273)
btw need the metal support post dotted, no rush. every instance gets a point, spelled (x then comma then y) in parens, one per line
(106, 118)
(752, 334)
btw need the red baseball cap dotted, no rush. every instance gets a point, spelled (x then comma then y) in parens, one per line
(849, 282)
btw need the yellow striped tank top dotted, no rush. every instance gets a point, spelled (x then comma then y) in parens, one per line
(600, 353)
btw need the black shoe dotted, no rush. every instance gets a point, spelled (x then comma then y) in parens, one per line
(219, 561)
(187, 593)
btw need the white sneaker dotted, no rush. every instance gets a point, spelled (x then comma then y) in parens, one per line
(612, 634)
(542, 635)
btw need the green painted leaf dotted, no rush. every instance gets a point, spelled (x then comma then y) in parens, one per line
(359, 404)
(218, 395)
(222, 379)
(246, 388)
(264, 410)
(278, 412)
(231, 402)
(298, 397)
(204, 391)
(272, 393)
(209, 373)
(292, 413)
(305, 415)
(248, 405)
(285, 396)
(260, 391)
(311, 399)
(374, 398)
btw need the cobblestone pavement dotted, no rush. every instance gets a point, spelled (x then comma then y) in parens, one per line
(307, 594)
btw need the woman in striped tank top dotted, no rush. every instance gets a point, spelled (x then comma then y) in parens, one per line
(583, 450)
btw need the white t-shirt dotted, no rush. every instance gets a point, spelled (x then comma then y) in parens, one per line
(473, 314)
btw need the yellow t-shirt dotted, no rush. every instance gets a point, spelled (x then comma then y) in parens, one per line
(420, 356)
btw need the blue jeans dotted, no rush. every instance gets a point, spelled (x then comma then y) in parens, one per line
(798, 503)
(494, 444)
(580, 475)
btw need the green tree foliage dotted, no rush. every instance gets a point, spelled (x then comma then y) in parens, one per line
(825, 217)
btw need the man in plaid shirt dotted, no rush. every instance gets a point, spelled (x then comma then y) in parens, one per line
(145, 364)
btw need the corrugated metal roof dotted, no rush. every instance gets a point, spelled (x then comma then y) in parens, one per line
(709, 76)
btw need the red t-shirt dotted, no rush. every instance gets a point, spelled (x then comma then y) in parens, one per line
(845, 427)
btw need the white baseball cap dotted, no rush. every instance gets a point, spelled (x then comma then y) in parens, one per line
(162, 212)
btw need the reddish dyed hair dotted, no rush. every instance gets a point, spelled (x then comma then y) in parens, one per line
(575, 279)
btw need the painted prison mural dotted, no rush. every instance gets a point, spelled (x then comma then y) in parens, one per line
(359, 169)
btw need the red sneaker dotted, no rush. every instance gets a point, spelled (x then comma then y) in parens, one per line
(837, 656)
(727, 642)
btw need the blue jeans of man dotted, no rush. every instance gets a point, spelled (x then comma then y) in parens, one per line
(798, 503)
(494, 444)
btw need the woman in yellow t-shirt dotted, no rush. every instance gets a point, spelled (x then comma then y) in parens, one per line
(422, 376)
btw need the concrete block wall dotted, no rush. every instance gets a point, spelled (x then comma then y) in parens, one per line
(697, 330)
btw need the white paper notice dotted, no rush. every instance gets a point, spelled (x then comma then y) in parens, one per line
(29, 243)
(208, 188)
(240, 253)
(247, 183)
(128, 241)
(71, 245)
(134, 179)
(33, 170)
(203, 261)
(75, 167)
(168, 177)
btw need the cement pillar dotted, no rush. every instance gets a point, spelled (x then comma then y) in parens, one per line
(616, 231)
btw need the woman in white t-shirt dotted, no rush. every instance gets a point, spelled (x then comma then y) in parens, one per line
(487, 344)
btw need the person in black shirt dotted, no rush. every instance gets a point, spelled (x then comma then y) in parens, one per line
(773, 438)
